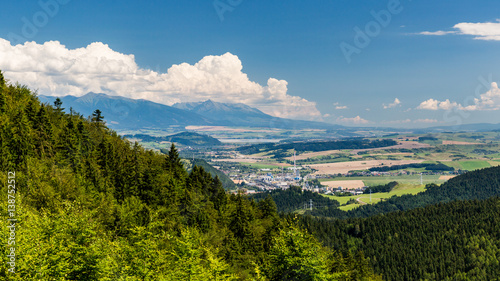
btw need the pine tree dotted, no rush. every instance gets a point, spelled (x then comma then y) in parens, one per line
(58, 105)
(97, 116)
(174, 163)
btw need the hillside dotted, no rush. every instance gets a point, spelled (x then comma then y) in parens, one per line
(459, 240)
(184, 138)
(227, 183)
(90, 205)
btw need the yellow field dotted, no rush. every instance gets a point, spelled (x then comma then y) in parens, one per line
(460, 142)
(347, 184)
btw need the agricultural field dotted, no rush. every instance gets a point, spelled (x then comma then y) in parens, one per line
(471, 165)
(346, 167)
(400, 190)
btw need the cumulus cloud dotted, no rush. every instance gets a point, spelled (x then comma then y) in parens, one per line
(480, 30)
(487, 101)
(56, 70)
(432, 104)
(396, 102)
(353, 120)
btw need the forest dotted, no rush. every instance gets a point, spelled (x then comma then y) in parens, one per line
(459, 240)
(317, 145)
(426, 166)
(90, 205)
(185, 138)
(294, 198)
(381, 188)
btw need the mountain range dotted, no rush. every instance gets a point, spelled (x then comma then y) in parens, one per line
(122, 113)
(125, 113)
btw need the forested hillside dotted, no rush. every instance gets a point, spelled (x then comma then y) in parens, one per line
(90, 205)
(294, 198)
(479, 184)
(227, 182)
(185, 138)
(453, 241)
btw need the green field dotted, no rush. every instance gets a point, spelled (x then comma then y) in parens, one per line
(469, 165)
(400, 190)
(403, 179)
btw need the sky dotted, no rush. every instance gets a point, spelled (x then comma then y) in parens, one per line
(356, 63)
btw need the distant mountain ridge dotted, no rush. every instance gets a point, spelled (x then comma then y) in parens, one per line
(239, 114)
(125, 113)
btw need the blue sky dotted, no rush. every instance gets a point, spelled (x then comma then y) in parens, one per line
(294, 41)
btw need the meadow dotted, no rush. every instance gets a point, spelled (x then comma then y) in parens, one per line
(399, 190)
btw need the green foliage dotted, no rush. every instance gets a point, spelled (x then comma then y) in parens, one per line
(294, 198)
(296, 255)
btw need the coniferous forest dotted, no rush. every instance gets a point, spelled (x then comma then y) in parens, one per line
(89, 205)
(459, 240)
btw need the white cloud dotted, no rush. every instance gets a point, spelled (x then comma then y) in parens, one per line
(353, 120)
(427, 121)
(432, 104)
(487, 101)
(339, 107)
(394, 104)
(481, 30)
(436, 33)
(56, 70)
